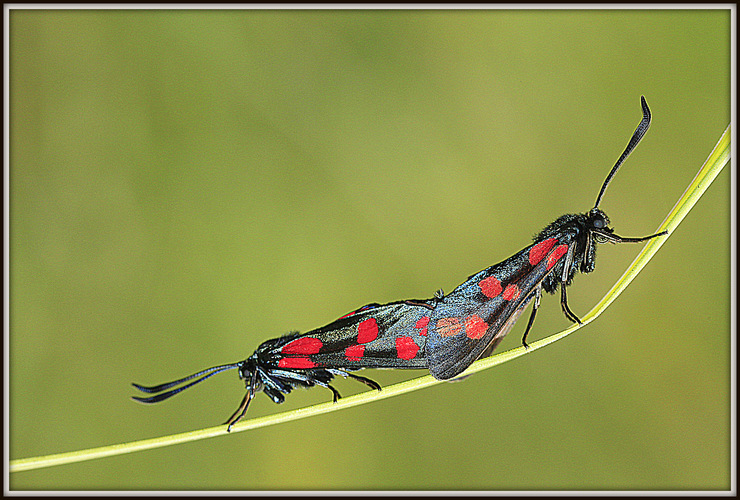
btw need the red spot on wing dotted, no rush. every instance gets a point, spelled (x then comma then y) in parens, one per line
(555, 255)
(538, 252)
(354, 352)
(490, 287)
(406, 347)
(475, 327)
(448, 327)
(296, 363)
(421, 325)
(367, 331)
(303, 345)
(511, 292)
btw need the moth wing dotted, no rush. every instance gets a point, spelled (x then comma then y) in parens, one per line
(471, 321)
(389, 335)
(504, 330)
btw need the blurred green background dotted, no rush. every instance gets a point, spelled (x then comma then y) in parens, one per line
(188, 184)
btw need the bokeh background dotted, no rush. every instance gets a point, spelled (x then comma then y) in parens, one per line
(188, 184)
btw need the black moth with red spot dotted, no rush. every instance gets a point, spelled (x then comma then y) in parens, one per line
(444, 334)
(374, 336)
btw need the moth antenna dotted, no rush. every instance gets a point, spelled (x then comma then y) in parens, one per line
(204, 374)
(636, 137)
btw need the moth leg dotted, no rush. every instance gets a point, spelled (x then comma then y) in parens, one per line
(311, 383)
(418, 303)
(537, 297)
(439, 295)
(564, 304)
(308, 382)
(335, 393)
(613, 238)
(240, 412)
(370, 383)
(564, 284)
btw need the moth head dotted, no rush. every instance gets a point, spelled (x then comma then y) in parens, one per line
(248, 371)
(597, 224)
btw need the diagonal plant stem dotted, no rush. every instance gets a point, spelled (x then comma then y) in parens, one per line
(719, 157)
(714, 164)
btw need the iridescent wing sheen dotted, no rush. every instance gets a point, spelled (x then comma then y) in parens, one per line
(475, 317)
(377, 336)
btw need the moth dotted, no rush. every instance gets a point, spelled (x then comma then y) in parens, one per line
(444, 334)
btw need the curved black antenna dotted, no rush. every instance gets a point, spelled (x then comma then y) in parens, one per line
(636, 137)
(204, 374)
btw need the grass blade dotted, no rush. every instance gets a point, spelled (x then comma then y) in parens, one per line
(719, 157)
